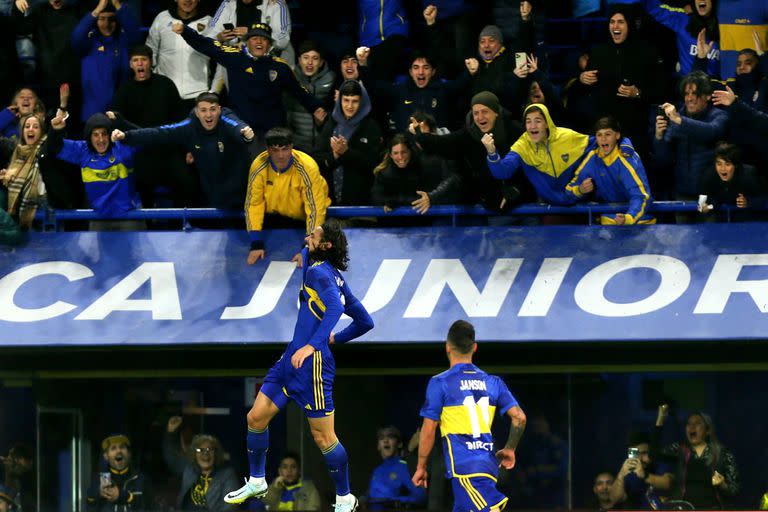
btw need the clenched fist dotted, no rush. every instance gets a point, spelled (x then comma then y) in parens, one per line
(490, 145)
(430, 15)
(362, 54)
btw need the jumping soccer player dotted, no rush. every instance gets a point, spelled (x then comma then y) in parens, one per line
(324, 296)
(463, 401)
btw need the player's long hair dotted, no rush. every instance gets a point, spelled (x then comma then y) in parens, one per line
(338, 254)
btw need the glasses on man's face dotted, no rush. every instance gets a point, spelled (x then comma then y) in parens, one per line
(205, 450)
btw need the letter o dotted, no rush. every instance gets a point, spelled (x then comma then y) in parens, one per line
(675, 278)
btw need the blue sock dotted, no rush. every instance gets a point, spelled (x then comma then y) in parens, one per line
(338, 466)
(257, 443)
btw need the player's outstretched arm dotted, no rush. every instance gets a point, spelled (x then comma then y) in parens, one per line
(361, 322)
(426, 443)
(506, 456)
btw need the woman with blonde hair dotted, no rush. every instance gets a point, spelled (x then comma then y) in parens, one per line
(204, 475)
(24, 102)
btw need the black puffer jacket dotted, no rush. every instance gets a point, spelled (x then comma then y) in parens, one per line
(464, 148)
(395, 187)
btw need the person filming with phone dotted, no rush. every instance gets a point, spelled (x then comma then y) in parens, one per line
(640, 479)
(119, 487)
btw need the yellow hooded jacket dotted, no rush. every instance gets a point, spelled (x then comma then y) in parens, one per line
(549, 165)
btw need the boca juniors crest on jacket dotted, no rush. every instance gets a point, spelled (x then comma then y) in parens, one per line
(549, 165)
(256, 84)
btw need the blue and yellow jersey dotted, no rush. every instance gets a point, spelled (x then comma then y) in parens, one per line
(676, 19)
(619, 177)
(323, 298)
(549, 164)
(738, 19)
(109, 181)
(465, 400)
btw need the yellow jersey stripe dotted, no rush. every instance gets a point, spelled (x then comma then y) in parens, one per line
(320, 380)
(501, 505)
(313, 301)
(314, 380)
(111, 173)
(668, 7)
(639, 182)
(736, 37)
(573, 187)
(254, 173)
(310, 195)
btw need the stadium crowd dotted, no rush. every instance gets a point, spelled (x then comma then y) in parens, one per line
(226, 109)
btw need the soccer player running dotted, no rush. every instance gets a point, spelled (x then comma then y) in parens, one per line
(463, 401)
(306, 369)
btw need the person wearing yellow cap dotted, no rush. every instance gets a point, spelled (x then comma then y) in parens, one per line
(119, 487)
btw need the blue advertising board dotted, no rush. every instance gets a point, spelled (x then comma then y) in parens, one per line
(516, 284)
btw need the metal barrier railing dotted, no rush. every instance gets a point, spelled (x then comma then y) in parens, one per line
(51, 219)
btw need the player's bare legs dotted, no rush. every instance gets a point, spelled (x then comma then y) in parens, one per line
(336, 458)
(259, 417)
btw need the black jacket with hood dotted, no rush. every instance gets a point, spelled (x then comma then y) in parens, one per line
(464, 147)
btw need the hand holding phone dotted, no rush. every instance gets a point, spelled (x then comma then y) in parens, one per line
(520, 60)
(229, 26)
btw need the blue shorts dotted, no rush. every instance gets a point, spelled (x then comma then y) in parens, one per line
(311, 386)
(476, 494)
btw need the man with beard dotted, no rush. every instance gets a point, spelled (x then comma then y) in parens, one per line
(685, 140)
(217, 142)
(306, 370)
(640, 477)
(391, 486)
(120, 487)
(463, 402)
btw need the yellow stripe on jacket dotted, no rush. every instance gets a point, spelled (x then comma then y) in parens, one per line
(557, 153)
(300, 192)
(111, 173)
